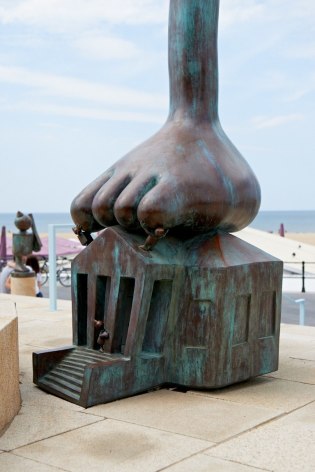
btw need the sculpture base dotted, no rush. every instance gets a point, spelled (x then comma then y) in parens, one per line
(23, 283)
(202, 313)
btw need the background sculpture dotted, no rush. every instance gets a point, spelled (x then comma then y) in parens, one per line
(24, 243)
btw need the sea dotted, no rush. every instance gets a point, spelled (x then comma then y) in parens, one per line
(270, 221)
(42, 220)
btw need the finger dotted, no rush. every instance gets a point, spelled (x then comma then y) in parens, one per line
(161, 207)
(81, 207)
(105, 198)
(126, 205)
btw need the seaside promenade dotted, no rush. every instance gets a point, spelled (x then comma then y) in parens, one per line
(266, 423)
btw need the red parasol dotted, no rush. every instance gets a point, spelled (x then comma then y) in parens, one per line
(64, 247)
(3, 244)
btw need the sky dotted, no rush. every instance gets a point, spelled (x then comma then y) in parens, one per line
(82, 82)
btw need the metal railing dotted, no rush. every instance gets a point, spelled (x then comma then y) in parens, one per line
(303, 275)
(301, 304)
(52, 257)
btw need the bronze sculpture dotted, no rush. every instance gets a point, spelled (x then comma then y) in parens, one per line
(24, 243)
(182, 302)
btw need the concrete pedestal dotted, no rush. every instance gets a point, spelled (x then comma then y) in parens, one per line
(23, 283)
(10, 398)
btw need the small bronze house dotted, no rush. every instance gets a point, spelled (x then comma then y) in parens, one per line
(202, 313)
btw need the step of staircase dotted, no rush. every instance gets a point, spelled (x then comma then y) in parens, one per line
(66, 378)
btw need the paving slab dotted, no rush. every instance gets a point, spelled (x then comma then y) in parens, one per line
(285, 444)
(113, 446)
(190, 415)
(36, 333)
(298, 342)
(267, 392)
(11, 463)
(295, 369)
(26, 361)
(204, 463)
(35, 422)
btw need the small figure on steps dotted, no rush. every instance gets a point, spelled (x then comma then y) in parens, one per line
(102, 335)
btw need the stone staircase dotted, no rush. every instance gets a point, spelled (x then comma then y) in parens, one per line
(66, 378)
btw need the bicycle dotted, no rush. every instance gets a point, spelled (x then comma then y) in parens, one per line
(63, 272)
(44, 269)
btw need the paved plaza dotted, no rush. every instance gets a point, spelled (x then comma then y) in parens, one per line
(263, 424)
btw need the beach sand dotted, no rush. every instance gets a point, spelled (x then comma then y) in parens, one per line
(307, 238)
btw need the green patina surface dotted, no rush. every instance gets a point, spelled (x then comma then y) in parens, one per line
(202, 311)
(193, 56)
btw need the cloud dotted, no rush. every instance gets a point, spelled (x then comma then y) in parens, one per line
(261, 122)
(287, 25)
(97, 29)
(304, 51)
(99, 46)
(298, 94)
(72, 88)
(238, 11)
(235, 12)
(69, 14)
(84, 112)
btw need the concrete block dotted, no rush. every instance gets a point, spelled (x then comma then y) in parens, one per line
(10, 398)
